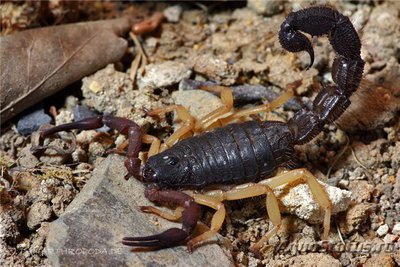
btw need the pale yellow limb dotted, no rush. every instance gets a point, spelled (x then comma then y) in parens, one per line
(319, 194)
(146, 139)
(213, 117)
(184, 115)
(155, 144)
(253, 190)
(259, 109)
(216, 222)
(175, 216)
(225, 114)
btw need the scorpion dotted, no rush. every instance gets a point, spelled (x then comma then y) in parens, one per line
(240, 154)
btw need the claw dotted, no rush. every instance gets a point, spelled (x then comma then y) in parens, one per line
(169, 238)
(174, 236)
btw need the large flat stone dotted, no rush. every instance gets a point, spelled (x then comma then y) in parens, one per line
(90, 231)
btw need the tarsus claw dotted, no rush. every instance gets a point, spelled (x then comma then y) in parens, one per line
(169, 238)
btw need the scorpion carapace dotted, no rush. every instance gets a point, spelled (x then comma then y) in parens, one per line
(241, 152)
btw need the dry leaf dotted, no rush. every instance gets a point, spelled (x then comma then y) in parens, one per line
(37, 63)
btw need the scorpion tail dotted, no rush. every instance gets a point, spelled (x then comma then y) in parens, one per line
(174, 236)
(347, 68)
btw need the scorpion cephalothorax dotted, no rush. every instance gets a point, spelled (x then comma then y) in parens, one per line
(240, 152)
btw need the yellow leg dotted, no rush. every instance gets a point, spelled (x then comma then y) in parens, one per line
(120, 149)
(184, 115)
(319, 194)
(177, 214)
(212, 118)
(253, 190)
(222, 116)
(155, 144)
(216, 222)
(147, 139)
(259, 109)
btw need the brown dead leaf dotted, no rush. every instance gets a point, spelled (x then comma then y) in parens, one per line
(36, 63)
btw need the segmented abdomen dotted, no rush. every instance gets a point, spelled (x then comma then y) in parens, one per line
(232, 154)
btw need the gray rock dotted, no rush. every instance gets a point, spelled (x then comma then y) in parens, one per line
(83, 112)
(216, 69)
(173, 13)
(198, 102)
(90, 231)
(30, 122)
(300, 202)
(163, 74)
(38, 213)
(265, 7)
(246, 93)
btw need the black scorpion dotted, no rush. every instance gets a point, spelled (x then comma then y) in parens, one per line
(241, 152)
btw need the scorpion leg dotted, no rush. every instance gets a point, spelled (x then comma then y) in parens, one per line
(155, 144)
(211, 120)
(319, 194)
(183, 115)
(216, 221)
(122, 125)
(177, 214)
(146, 139)
(173, 236)
(259, 109)
(253, 190)
(225, 114)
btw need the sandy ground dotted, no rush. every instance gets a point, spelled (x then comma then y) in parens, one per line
(231, 46)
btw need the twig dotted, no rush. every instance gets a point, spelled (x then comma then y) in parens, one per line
(135, 66)
(357, 160)
(142, 54)
(339, 233)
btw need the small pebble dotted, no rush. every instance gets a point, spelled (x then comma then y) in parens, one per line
(65, 116)
(173, 13)
(38, 213)
(299, 201)
(382, 230)
(163, 74)
(396, 229)
(31, 122)
(265, 7)
(82, 112)
(216, 69)
(390, 238)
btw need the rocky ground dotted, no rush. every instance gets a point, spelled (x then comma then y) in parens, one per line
(73, 208)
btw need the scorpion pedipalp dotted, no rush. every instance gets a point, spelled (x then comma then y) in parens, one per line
(169, 238)
(173, 236)
(122, 125)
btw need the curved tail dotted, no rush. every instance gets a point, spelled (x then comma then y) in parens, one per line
(347, 67)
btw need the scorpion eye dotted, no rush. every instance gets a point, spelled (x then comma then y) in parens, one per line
(171, 160)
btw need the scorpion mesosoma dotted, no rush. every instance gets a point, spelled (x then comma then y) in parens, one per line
(239, 152)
